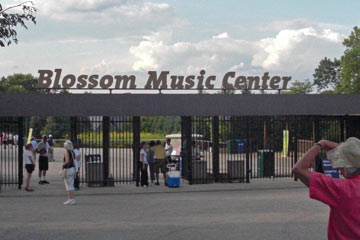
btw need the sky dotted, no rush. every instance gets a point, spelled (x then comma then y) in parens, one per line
(282, 37)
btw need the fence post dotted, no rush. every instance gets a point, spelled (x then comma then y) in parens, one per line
(295, 129)
(186, 151)
(73, 127)
(247, 149)
(316, 133)
(20, 151)
(106, 147)
(136, 148)
(342, 128)
(215, 147)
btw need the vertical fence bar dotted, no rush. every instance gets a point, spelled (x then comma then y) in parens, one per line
(295, 129)
(247, 150)
(316, 133)
(73, 127)
(215, 147)
(20, 150)
(136, 148)
(106, 147)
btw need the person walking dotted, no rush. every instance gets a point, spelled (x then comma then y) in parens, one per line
(151, 161)
(341, 195)
(29, 165)
(43, 149)
(77, 166)
(143, 164)
(69, 165)
(168, 149)
(51, 143)
(160, 161)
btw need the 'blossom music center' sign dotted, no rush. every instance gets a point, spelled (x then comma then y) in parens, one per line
(163, 80)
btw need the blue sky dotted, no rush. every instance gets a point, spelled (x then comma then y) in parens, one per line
(183, 36)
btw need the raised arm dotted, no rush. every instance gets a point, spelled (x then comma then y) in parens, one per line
(301, 168)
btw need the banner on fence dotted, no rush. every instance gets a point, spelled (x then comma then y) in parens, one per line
(29, 136)
(328, 170)
(285, 142)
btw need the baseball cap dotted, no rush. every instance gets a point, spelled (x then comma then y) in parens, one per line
(345, 155)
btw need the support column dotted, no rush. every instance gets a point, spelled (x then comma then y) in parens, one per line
(73, 127)
(316, 133)
(20, 151)
(247, 149)
(106, 148)
(136, 149)
(215, 148)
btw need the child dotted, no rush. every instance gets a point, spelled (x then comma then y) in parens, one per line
(29, 165)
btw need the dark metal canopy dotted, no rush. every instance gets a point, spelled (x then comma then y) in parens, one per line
(176, 104)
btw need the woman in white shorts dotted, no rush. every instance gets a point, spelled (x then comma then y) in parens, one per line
(69, 165)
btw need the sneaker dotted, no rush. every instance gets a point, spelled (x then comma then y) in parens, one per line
(46, 182)
(41, 182)
(72, 202)
(145, 186)
(67, 202)
(29, 189)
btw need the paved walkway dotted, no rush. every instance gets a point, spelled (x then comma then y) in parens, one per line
(263, 209)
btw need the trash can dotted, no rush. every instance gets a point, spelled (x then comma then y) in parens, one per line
(94, 173)
(266, 163)
(231, 146)
(240, 143)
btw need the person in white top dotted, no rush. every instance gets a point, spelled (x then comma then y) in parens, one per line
(77, 166)
(29, 165)
(168, 149)
(143, 165)
(33, 142)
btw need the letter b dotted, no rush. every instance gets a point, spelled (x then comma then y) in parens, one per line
(44, 79)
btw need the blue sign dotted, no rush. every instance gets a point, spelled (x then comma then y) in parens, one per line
(328, 170)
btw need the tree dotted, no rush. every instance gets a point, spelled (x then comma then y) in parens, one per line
(298, 87)
(56, 126)
(327, 74)
(350, 64)
(9, 21)
(19, 83)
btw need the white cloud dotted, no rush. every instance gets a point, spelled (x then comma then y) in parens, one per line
(104, 11)
(298, 47)
(292, 52)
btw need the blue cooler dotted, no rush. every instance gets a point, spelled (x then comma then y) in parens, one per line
(173, 176)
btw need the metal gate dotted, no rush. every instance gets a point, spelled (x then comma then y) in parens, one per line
(237, 149)
(11, 151)
(108, 146)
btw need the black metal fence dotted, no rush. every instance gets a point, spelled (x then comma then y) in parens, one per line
(11, 151)
(237, 149)
(213, 149)
(108, 152)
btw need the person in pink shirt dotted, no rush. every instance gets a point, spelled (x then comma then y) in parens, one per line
(341, 195)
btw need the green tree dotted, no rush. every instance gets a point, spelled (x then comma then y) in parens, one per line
(350, 64)
(327, 74)
(298, 87)
(19, 83)
(37, 123)
(56, 126)
(9, 21)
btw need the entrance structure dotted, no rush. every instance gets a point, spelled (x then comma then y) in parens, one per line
(225, 138)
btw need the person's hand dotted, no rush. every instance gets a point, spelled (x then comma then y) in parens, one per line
(328, 145)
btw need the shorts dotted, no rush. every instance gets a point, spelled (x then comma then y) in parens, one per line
(160, 164)
(43, 163)
(29, 168)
